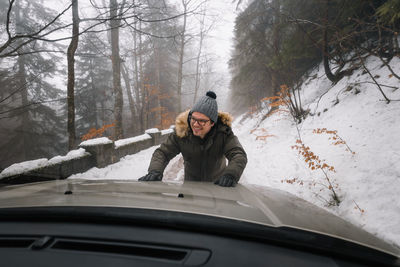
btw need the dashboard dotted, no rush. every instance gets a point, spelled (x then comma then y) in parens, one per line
(90, 237)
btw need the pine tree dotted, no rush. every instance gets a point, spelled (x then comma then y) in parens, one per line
(31, 121)
(278, 41)
(160, 68)
(93, 85)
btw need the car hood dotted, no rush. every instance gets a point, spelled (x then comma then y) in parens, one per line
(248, 203)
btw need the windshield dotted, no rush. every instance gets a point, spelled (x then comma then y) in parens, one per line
(299, 96)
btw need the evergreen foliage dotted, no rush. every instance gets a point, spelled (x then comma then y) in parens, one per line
(31, 119)
(389, 13)
(160, 67)
(93, 87)
(278, 41)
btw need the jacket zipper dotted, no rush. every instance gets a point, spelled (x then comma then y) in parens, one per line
(203, 162)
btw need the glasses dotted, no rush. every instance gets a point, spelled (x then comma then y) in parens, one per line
(199, 121)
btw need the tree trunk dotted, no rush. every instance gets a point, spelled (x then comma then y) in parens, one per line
(332, 77)
(92, 82)
(143, 114)
(325, 52)
(116, 66)
(71, 76)
(22, 80)
(24, 101)
(276, 42)
(181, 54)
(158, 118)
(125, 76)
(137, 86)
(198, 71)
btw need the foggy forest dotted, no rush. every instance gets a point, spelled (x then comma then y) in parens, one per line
(72, 70)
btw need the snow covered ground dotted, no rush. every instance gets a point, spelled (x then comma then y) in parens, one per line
(367, 182)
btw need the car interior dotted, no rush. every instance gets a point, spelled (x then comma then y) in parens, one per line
(109, 236)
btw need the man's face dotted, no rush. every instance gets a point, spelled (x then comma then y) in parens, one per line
(201, 124)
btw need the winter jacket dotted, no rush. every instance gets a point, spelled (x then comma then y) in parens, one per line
(204, 159)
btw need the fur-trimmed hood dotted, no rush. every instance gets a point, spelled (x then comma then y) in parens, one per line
(182, 126)
(204, 159)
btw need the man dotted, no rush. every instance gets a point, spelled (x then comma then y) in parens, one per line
(205, 138)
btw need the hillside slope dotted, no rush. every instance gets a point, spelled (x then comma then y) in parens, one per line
(368, 181)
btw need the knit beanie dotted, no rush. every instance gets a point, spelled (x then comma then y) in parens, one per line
(207, 105)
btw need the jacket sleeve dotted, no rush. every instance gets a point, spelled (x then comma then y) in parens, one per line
(162, 155)
(236, 156)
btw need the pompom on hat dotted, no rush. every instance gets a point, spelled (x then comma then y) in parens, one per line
(207, 105)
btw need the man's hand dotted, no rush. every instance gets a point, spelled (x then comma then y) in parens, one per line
(152, 176)
(226, 180)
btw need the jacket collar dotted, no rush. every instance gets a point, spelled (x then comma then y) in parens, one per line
(182, 127)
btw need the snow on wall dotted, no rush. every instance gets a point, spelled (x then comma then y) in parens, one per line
(128, 141)
(137, 143)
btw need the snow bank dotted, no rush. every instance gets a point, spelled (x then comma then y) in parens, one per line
(130, 167)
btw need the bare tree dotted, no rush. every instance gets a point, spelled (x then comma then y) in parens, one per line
(202, 34)
(333, 77)
(24, 88)
(14, 42)
(128, 87)
(71, 75)
(276, 46)
(182, 34)
(116, 66)
(137, 74)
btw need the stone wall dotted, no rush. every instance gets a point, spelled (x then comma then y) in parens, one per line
(98, 152)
